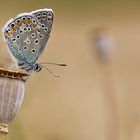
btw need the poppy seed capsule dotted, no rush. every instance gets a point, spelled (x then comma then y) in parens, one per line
(11, 95)
(103, 43)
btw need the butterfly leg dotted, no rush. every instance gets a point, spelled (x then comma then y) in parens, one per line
(11, 66)
(28, 77)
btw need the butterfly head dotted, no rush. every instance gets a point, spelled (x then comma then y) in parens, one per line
(37, 67)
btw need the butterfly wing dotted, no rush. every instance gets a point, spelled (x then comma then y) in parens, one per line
(26, 36)
(45, 21)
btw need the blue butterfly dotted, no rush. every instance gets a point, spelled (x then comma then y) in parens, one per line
(26, 37)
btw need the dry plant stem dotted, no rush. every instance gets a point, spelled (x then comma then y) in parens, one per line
(110, 101)
(105, 49)
(2, 137)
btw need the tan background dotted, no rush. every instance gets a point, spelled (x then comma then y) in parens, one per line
(73, 107)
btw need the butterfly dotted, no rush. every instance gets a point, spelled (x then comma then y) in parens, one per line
(26, 37)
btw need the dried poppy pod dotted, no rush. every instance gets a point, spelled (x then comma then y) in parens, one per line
(11, 95)
(103, 43)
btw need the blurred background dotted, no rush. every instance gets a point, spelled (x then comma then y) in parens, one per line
(90, 100)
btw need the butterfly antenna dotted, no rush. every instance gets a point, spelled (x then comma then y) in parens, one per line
(53, 74)
(53, 64)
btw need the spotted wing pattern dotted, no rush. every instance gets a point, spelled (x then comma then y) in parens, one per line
(26, 35)
(45, 20)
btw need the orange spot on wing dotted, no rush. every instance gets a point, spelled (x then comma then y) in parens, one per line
(8, 34)
(19, 23)
(14, 28)
(34, 25)
(25, 21)
(29, 21)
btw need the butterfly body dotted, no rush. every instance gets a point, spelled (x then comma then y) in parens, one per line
(26, 37)
(29, 67)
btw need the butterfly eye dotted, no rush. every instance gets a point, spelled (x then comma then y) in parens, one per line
(36, 41)
(45, 29)
(33, 50)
